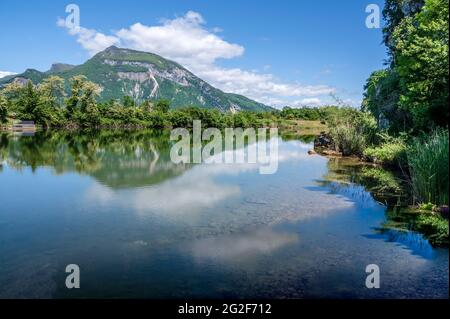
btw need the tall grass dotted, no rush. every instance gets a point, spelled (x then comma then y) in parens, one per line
(352, 132)
(428, 164)
(348, 140)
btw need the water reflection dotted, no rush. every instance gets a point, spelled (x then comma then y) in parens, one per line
(412, 241)
(117, 159)
(140, 226)
(242, 247)
(346, 177)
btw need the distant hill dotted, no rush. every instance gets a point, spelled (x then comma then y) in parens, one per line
(60, 67)
(143, 76)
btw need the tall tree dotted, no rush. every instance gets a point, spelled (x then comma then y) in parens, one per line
(163, 105)
(51, 91)
(412, 93)
(88, 104)
(12, 92)
(29, 102)
(393, 13)
(423, 64)
(4, 110)
(128, 101)
(76, 89)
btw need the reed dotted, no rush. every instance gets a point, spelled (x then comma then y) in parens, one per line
(428, 164)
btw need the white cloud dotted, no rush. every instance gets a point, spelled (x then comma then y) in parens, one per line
(238, 247)
(186, 40)
(90, 39)
(261, 87)
(5, 73)
(309, 101)
(183, 39)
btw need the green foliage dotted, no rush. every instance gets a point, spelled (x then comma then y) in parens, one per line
(162, 105)
(428, 164)
(392, 151)
(119, 71)
(180, 118)
(352, 131)
(423, 64)
(381, 96)
(427, 206)
(304, 113)
(434, 228)
(127, 101)
(4, 110)
(380, 180)
(394, 12)
(28, 102)
(51, 93)
(329, 114)
(82, 105)
(158, 120)
(348, 140)
(76, 87)
(48, 105)
(51, 90)
(412, 94)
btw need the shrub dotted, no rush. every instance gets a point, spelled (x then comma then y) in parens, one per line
(392, 152)
(352, 131)
(434, 228)
(380, 180)
(427, 206)
(348, 140)
(158, 120)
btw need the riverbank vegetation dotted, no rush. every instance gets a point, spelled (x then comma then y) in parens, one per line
(48, 106)
(408, 106)
(403, 121)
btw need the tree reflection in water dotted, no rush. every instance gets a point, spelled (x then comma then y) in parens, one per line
(118, 159)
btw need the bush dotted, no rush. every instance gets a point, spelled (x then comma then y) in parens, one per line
(427, 206)
(348, 140)
(428, 164)
(434, 228)
(158, 120)
(352, 131)
(392, 152)
(380, 180)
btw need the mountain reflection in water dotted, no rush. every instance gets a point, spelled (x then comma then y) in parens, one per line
(140, 226)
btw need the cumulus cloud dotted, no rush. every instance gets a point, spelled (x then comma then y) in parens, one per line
(238, 247)
(182, 39)
(186, 40)
(5, 73)
(90, 39)
(262, 87)
(308, 102)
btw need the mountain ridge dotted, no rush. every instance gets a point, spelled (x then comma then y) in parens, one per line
(142, 76)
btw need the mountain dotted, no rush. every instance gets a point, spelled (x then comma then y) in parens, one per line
(142, 76)
(60, 67)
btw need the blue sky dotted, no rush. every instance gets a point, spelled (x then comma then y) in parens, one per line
(278, 52)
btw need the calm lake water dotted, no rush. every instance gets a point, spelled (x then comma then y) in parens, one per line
(140, 226)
